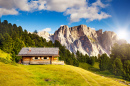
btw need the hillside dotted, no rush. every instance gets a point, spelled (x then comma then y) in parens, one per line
(4, 55)
(22, 75)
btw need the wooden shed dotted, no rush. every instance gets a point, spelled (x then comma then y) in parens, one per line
(39, 55)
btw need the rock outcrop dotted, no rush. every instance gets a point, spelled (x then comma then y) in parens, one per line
(45, 35)
(85, 39)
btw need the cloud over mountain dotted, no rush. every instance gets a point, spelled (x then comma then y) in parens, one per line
(76, 9)
(47, 29)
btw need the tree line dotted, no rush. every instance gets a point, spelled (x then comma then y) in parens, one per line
(119, 61)
(86, 58)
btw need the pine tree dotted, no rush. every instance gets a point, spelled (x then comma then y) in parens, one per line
(18, 45)
(92, 60)
(7, 43)
(126, 72)
(117, 67)
(87, 58)
(103, 62)
(35, 32)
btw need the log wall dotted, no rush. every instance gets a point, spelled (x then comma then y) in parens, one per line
(29, 60)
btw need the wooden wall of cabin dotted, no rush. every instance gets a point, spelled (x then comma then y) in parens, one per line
(26, 60)
(54, 58)
(30, 60)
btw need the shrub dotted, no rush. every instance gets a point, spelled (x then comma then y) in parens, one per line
(6, 61)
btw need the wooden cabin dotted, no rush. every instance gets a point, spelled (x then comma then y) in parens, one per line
(40, 56)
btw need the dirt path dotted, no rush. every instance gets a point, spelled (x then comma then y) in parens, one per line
(84, 78)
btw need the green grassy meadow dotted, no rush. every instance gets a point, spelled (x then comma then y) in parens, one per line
(51, 75)
(95, 68)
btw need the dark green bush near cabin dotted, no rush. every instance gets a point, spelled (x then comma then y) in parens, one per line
(5, 60)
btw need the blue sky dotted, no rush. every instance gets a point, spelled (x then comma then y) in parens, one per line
(109, 15)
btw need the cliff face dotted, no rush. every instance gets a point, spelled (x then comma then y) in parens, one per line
(85, 39)
(45, 35)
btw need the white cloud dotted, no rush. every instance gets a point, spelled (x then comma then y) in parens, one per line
(11, 7)
(42, 5)
(4, 11)
(61, 25)
(99, 3)
(46, 29)
(90, 13)
(92, 28)
(76, 9)
(63, 5)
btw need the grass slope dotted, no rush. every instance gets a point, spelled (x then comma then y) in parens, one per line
(95, 68)
(52, 75)
(4, 55)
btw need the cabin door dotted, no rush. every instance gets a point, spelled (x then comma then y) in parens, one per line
(50, 60)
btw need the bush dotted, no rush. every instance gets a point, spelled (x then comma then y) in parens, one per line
(6, 61)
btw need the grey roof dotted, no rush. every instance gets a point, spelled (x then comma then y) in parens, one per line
(38, 51)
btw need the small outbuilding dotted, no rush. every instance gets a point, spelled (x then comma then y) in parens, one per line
(39, 56)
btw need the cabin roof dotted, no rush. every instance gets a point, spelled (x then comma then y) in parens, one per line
(26, 51)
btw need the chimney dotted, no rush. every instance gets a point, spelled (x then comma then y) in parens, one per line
(29, 49)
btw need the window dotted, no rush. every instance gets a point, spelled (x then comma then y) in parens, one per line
(36, 57)
(45, 57)
(42, 57)
(33, 58)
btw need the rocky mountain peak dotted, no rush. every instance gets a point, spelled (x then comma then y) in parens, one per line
(86, 40)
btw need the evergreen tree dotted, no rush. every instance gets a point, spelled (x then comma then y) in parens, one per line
(35, 32)
(103, 62)
(126, 72)
(5, 22)
(92, 60)
(7, 43)
(50, 44)
(117, 67)
(57, 44)
(87, 58)
(1, 40)
(18, 45)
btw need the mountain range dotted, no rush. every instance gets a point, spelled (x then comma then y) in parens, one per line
(84, 39)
